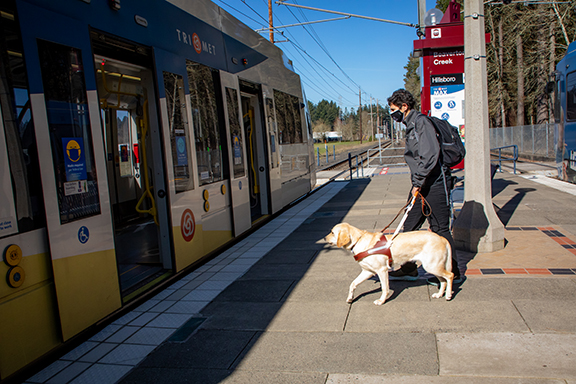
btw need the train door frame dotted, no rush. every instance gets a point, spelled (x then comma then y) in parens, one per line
(257, 165)
(81, 247)
(154, 189)
(239, 182)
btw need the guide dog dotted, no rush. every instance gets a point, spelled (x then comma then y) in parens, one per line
(432, 250)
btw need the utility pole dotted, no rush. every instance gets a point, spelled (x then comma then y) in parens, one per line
(360, 112)
(421, 16)
(377, 116)
(477, 228)
(270, 21)
(371, 118)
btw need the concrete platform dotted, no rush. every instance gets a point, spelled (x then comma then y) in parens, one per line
(272, 309)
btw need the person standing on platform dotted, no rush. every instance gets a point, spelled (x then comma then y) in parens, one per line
(429, 177)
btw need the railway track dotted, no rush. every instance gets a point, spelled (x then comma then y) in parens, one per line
(358, 159)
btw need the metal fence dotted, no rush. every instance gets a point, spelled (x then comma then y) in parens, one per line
(533, 141)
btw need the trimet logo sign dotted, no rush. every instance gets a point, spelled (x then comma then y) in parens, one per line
(194, 40)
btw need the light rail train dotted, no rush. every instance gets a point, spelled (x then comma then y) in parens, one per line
(136, 139)
(565, 115)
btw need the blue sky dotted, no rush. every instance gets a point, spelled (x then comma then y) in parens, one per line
(371, 53)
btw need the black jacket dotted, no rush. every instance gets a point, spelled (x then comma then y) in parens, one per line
(422, 152)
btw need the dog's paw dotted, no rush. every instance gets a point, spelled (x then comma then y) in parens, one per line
(349, 300)
(437, 295)
(379, 302)
(448, 297)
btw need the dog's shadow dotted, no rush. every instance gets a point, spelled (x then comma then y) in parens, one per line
(397, 287)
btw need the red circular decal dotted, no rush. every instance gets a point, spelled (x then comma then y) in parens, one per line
(197, 43)
(187, 225)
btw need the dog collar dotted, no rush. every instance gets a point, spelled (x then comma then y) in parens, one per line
(379, 248)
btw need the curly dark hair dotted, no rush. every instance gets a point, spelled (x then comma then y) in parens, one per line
(402, 96)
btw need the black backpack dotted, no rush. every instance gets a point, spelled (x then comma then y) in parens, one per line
(452, 150)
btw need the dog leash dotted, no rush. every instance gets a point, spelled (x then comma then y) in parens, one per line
(411, 204)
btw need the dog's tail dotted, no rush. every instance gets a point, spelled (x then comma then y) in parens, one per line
(449, 258)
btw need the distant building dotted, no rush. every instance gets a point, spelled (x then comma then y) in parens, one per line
(320, 137)
(333, 136)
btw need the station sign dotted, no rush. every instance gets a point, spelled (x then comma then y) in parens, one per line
(447, 97)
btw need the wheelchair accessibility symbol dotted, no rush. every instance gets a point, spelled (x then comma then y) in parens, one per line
(83, 234)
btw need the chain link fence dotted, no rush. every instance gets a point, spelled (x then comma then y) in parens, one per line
(535, 142)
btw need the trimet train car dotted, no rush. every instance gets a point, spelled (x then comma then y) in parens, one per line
(136, 138)
(565, 115)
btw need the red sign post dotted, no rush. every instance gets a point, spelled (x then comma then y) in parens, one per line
(442, 52)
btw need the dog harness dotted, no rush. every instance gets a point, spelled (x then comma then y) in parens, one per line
(380, 248)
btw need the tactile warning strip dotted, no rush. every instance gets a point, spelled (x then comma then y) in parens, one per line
(551, 232)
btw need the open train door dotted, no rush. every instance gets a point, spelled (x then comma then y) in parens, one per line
(239, 183)
(256, 147)
(65, 109)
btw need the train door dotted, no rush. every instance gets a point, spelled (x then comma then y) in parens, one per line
(134, 164)
(64, 104)
(257, 159)
(239, 190)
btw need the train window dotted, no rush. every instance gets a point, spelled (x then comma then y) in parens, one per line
(124, 137)
(288, 118)
(571, 96)
(70, 133)
(235, 132)
(202, 82)
(272, 132)
(179, 132)
(18, 126)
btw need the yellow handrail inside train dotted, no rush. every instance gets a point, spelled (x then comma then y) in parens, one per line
(118, 92)
(143, 125)
(250, 115)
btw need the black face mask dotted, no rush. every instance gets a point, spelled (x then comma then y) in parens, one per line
(397, 115)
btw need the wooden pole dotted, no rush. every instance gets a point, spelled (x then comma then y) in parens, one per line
(270, 21)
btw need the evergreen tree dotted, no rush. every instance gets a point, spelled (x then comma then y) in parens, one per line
(412, 78)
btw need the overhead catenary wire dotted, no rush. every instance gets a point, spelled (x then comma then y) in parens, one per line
(297, 45)
(322, 46)
(312, 62)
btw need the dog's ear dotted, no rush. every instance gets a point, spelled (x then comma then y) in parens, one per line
(343, 237)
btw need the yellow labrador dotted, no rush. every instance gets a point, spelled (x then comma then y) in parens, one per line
(432, 250)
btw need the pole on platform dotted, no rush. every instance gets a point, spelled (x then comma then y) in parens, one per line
(477, 228)
(350, 164)
(360, 112)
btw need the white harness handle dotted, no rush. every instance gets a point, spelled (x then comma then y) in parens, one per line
(408, 209)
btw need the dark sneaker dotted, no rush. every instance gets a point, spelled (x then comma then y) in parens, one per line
(401, 275)
(434, 280)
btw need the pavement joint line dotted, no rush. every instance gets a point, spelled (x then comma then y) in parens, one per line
(293, 219)
(297, 217)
